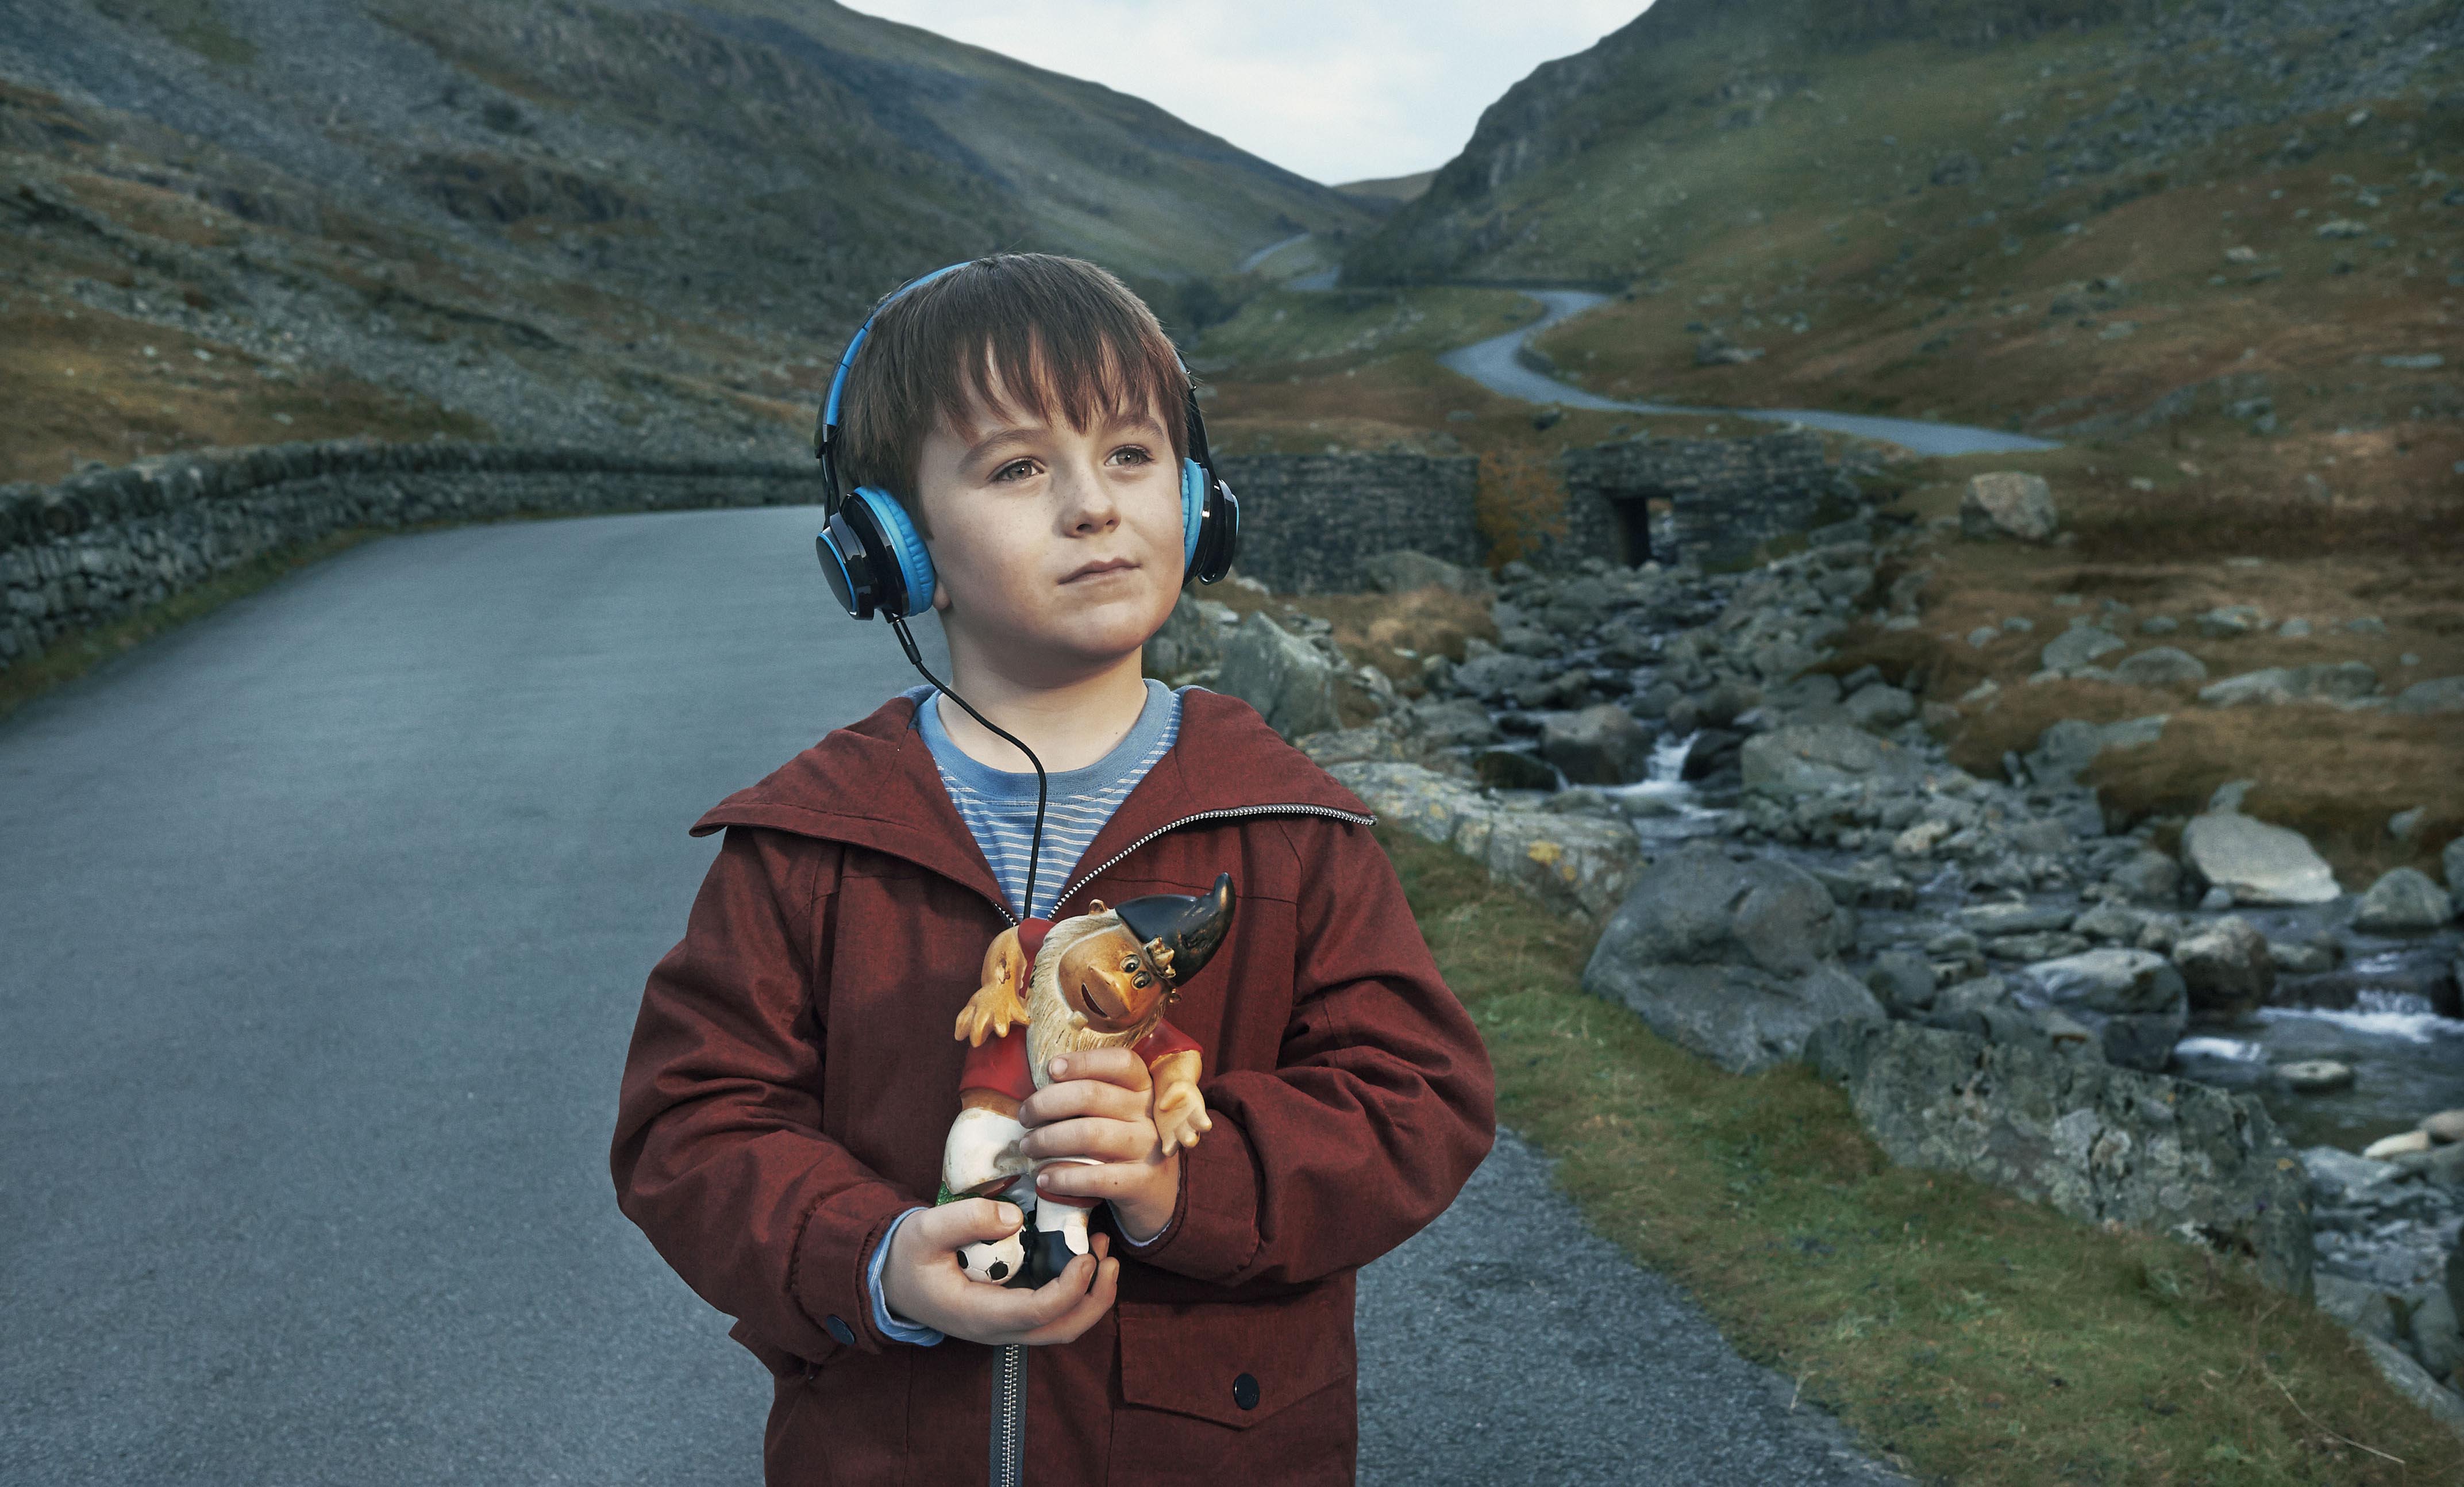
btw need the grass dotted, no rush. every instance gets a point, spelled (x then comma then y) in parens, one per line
(1967, 1334)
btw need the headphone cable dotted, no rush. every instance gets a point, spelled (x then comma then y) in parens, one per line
(1035, 843)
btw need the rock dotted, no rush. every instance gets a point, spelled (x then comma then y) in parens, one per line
(2436, 1340)
(1920, 838)
(2316, 1075)
(1598, 746)
(2338, 682)
(1513, 769)
(2007, 503)
(2294, 629)
(2413, 1382)
(2134, 999)
(2388, 1148)
(2256, 862)
(1574, 865)
(2097, 1143)
(2159, 625)
(1732, 960)
(1459, 722)
(2341, 1180)
(1903, 979)
(1191, 639)
(1486, 673)
(2446, 1127)
(2112, 924)
(2149, 876)
(1403, 571)
(2400, 899)
(1285, 678)
(2037, 946)
(2012, 919)
(2073, 649)
(1880, 707)
(2445, 695)
(2225, 966)
(1806, 759)
(2162, 666)
(2226, 621)
(2069, 745)
(2405, 824)
(2361, 1307)
(2451, 862)
(2305, 958)
(1373, 743)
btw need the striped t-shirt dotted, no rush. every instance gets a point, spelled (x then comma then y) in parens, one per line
(999, 805)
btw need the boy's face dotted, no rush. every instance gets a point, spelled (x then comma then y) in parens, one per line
(1058, 550)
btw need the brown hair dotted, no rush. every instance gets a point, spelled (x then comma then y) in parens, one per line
(1062, 335)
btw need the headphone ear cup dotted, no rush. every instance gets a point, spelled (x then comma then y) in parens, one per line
(902, 566)
(1193, 514)
(1219, 538)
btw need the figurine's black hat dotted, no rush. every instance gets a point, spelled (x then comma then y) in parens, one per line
(1179, 932)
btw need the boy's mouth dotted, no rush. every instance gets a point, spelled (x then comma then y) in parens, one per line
(1099, 569)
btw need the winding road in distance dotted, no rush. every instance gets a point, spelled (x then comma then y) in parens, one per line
(1494, 365)
(326, 920)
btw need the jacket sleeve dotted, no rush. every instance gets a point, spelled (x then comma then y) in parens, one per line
(718, 1153)
(1382, 1104)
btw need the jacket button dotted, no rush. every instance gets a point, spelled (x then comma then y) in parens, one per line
(838, 1328)
(1245, 1392)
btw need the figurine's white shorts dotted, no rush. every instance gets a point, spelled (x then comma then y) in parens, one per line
(983, 1148)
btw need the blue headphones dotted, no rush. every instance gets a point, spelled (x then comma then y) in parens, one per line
(875, 561)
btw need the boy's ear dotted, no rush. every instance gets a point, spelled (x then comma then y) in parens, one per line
(940, 593)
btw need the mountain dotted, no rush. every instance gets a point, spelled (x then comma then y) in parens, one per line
(2079, 219)
(601, 219)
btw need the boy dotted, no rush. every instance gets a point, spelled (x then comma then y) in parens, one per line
(794, 1067)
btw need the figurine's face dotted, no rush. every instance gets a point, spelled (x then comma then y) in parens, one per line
(1105, 981)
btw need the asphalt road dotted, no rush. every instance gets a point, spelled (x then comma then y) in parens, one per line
(322, 922)
(1492, 364)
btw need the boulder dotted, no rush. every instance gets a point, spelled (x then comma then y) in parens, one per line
(2446, 1127)
(2074, 649)
(2387, 1148)
(1731, 960)
(1513, 769)
(1578, 865)
(1458, 723)
(2162, 666)
(2435, 1340)
(1879, 707)
(2101, 1144)
(1192, 639)
(2226, 966)
(2443, 694)
(2338, 681)
(2256, 862)
(1487, 673)
(2361, 1307)
(2012, 919)
(2404, 898)
(1291, 684)
(2415, 1383)
(2226, 621)
(2069, 745)
(2451, 862)
(1806, 759)
(1598, 746)
(2316, 1075)
(1903, 981)
(1403, 571)
(2134, 1000)
(2148, 876)
(2007, 503)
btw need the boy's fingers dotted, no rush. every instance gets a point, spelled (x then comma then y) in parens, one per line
(968, 1221)
(1089, 1309)
(1082, 1097)
(1105, 1140)
(1106, 1065)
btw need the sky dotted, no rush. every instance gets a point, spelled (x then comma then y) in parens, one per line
(1337, 90)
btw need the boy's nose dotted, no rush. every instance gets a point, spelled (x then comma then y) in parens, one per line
(1090, 503)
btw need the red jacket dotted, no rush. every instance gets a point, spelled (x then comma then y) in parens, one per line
(793, 1073)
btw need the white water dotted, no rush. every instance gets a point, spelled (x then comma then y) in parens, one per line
(2396, 1015)
(2230, 1048)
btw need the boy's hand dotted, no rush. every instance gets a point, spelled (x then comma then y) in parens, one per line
(1098, 1108)
(922, 1283)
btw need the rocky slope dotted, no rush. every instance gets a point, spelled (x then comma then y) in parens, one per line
(634, 220)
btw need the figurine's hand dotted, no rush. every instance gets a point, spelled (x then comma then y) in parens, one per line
(997, 1005)
(1180, 1116)
(922, 1283)
(1098, 1109)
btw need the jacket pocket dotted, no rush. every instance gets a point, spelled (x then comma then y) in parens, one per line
(1238, 1364)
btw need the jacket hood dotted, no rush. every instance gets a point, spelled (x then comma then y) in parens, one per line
(873, 784)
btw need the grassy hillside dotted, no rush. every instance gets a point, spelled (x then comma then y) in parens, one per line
(634, 220)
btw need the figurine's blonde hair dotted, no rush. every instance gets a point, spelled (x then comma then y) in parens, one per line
(1051, 1028)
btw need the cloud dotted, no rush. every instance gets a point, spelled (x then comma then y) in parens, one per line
(1336, 91)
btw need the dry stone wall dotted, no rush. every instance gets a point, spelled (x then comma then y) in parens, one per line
(1307, 521)
(91, 549)
(1728, 495)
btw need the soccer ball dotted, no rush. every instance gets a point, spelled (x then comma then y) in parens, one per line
(993, 1262)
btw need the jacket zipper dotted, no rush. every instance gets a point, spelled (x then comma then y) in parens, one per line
(1009, 1360)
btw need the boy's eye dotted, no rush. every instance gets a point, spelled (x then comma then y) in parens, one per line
(1015, 470)
(1132, 453)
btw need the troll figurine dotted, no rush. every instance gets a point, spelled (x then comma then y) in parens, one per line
(1102, 979)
